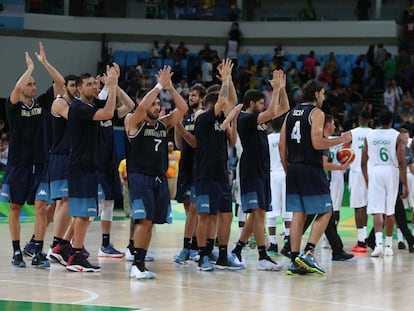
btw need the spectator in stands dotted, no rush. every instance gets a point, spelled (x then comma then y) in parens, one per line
(181, 51)
(291, 71)
(363, 10)
(156, 50)
(310, 65)
(147, 80)
(390, 98)
(308, 13)
(141, 66)
(167, 50)
(2, 127)
(207, 72)
(183, 88)
(407, 77)
(403, 58)
(390, 69)
(235, 34)
(250, 65)
(4, 149)
(409, 12)
(331, 65)
(263, 69)
(357, 76)
(206, 52)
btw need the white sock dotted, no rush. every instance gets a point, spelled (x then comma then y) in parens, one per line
(399, 235)
(362, 234)
(272, 239)
(378, 238)
(365, 233)
(388, 241)
(287, 231)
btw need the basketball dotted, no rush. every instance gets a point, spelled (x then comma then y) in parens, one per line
(345, 154)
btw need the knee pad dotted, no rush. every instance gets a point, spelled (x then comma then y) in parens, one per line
(272, 222)
(107, 211)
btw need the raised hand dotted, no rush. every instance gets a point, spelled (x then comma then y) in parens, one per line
(278, 79)
(225, 68)
(29, 61)
(117, 70)
(111, 76)
(41, 56)
(164, 77)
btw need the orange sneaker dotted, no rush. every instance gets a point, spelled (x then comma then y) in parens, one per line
(359, 248)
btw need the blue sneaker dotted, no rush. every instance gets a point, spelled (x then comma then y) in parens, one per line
(204, 264)
(194, 256)
(213, 256)
(308, 261)
(110, 252)
(17, 260)
(29, 249)
(295, 269)
(182, 257)
(232, 263)
(39, 261)
(251, 242)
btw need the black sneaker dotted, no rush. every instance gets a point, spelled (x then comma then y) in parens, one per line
(342, 256)
(272, 250)
(401, 245)
(78, 263)
(17, 260)
(285, 251)
(29, 249)
(61, 253)
(39, 261)
(411, 248)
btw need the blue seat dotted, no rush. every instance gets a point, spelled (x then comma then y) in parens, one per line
(119, 57)
(168, 62)
(131, 58)
(143, 55)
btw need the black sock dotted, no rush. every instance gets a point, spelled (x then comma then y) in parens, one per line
(16, 246)
(105, 240)
(186, 243)
(131, 246)
(76, 251)
(56, 241)
(203, 251)
(38, 246)
(33, 238)
(139, 258)
(194, 244)
(210, 245)
(294, 255)
(222, 253)
(239, 247)
(262, 252)
(64, 242)
(309, 247)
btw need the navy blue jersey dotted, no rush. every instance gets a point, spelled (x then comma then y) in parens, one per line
(255, 159)
(298, 136)
(187, 152)
(83, 136)
(60, 134)
(28, 130)
(106, 146)
(211, 153)
(148, 153)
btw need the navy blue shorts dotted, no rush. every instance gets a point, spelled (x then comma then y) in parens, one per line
(150, 198)
(255, 193)
(25, 184)
(83, 193)
(184, 185)
(58, 175)
(307, 189)
(109, 185)
(213, 197)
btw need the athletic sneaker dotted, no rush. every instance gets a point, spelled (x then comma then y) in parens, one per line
(213, 256)
(78, 263)
(285, 251)
(204, 264)
(388, 251)
(232, 263)
(308, 261)
(129, 255)
(17, 260)
(39, 261)
(342, 256)
(148, 258)
(401, 245)
(48, 255)
(85, 252)
(61, 253)
(141, 275)
(267, 264)
(378, 251)
(294, 269)
(360, 247)
(182, 257)
(110, 252)
(194, 256)
(325, 243)
(29, 249)
(272, 250)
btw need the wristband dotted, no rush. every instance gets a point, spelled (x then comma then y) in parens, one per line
(159, 86)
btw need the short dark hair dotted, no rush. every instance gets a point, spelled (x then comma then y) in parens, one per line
(200, 89)
(210, 99)
(82, 76)
(213, 88)
(328, 118)
(70, 77)
(385, 117)
(364, 115)
(251, 95)
(141, 93)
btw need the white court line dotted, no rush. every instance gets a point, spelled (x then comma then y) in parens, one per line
(92, 295)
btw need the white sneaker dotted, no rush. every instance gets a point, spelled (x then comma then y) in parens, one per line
(378, 251)
(141, 275)
(269, 265)
(128, 255)
(388, 251)
(325, 243)
(48, 255)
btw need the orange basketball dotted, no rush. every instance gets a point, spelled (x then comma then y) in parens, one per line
(345, 154)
